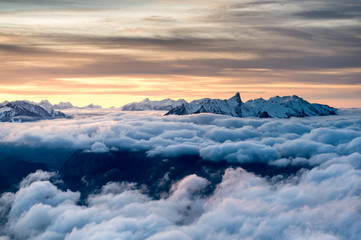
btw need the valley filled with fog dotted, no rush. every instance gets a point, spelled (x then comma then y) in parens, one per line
(111, 174)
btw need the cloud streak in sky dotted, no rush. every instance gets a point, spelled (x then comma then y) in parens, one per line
(290, 41)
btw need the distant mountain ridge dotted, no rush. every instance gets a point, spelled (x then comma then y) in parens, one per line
(147, 105)
(27, 111)
(66, 105)
(24, 110)
(275, 107)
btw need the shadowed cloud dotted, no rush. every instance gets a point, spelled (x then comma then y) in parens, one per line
(318, 202)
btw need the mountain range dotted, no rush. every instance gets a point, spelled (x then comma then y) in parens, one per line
(65, 105)
(147, 105)
(275, 107)
(20, 111)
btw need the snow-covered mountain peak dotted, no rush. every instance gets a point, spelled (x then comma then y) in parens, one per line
(236, 97)
(64, 105)
(92, 106)
(4, 103)
(230, 107)
(25, 110)
(275, 107)
(46, 105)
(148, 105)
(45, 102)
(235, 100)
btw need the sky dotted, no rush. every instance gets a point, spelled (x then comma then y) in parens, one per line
(114, 52)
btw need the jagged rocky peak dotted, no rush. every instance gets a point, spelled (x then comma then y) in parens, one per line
(236, 98)
(232, 107)
(64, 105)
(287, 106)
(92, 106)
(148, 105)
(275, 107)
(27, 111)
(46, 105)
(4, 103)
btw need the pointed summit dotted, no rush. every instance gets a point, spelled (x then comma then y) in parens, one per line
(46, 105)
(275, 107)
(44, 102)
(148, 105)
(230, 107)
(27, 111)
(235, 98)
(92, 106)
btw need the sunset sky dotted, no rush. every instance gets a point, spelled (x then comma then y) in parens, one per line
(115, 52)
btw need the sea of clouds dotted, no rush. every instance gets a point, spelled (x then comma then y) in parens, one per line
(322, 202)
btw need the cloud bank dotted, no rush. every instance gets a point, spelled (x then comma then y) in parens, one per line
(322, 202)
(213, 137)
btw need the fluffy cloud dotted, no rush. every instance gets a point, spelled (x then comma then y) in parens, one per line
(214, 137)
(98, 147)
(321, 202)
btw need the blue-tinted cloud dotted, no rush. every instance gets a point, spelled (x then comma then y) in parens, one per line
(214, 137)
(322, 202)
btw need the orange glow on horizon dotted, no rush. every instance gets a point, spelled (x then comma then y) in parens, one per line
(115, 52)
(117, 91)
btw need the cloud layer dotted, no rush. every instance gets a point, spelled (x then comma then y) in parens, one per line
(322, 202)
(213, 137)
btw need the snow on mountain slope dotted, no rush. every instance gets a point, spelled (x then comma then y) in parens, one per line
(4, 103)
(146, 104)
(275, 107)
(284, 107)
(46, 105)
(64, 105)
(25, 111)
(92, 106)
(230, 107)
(49, 108)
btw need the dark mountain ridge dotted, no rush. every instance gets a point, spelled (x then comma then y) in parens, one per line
(275, 107)
(27, 111)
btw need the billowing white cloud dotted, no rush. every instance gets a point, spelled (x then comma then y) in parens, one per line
(214, 137)
(322, 202)
(98, 147)
(239, 152)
